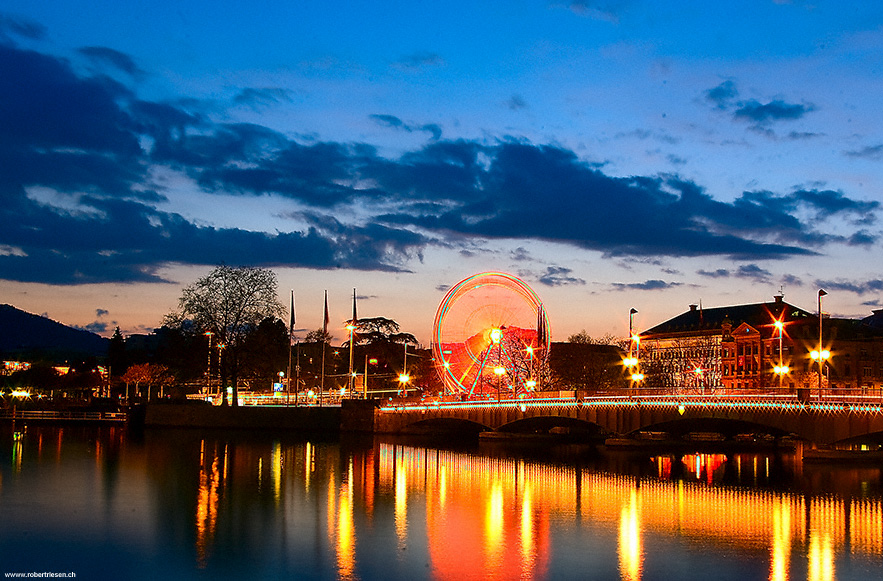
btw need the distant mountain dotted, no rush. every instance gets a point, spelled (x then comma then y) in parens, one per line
(24, 335)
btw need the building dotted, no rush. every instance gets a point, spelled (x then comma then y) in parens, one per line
(741, 347)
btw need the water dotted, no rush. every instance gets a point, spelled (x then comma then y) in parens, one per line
(101, 503)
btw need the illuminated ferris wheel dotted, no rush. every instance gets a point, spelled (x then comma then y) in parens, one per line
(491, 337)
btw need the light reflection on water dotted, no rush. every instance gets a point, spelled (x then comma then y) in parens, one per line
(230, 505)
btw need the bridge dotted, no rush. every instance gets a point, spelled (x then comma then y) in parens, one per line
(822, 423)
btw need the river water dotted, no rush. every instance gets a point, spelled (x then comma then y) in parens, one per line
(105, 504)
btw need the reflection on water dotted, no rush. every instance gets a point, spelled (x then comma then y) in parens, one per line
(230, 505)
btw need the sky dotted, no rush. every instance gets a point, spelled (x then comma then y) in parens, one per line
(615, 155)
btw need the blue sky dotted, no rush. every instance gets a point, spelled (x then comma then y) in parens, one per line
(615, 155)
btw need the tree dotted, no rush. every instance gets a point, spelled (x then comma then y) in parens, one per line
(588, 363)
(584, 338)
(116, 353)
(318, 336)
(229, 302)
(150, 374)
(265, 351)
(380, 330)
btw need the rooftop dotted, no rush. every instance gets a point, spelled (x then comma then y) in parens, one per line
(708, 320)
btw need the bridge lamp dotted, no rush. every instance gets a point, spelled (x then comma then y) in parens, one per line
(637, 377)
(630, 361)
(404, 378)
(530, 384)
(778, 324)
(820, 357)
(496, 335)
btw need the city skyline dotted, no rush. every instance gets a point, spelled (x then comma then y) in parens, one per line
(613, 155)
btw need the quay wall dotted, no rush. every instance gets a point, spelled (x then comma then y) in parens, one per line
(352, 416)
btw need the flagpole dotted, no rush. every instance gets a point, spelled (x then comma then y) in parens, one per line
(297, 374)
(352, 327)
(290, 333)
(324, 334)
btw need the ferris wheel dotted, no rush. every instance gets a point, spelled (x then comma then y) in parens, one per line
(491, 336)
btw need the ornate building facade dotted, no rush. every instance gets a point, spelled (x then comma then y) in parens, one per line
(741, 347)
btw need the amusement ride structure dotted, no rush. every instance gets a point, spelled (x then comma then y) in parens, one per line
(491, 338)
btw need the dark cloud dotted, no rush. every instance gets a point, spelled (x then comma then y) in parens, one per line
(114, 58)
(719, 273)
(93, 145)
(873, 152)
(723, 95)
(647, 285)
(48, 108)
(559, 276)
(99, 326)
(802, 135)
(516, 103)
(419, 60)
(394, 122)
(520, 254)
(791, 280)
(777, 110)
(754, 272)
(853, 286)
(12, 25)
(258, 99)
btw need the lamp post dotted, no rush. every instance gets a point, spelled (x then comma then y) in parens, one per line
(404, 378)
(208, 367)
(631, 333)
(781, 369)
(822, 353)
(350, 380)
(221, 387)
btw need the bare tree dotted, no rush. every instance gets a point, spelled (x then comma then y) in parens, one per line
(229, 302)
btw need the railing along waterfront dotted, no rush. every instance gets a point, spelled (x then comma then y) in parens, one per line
(53, 415)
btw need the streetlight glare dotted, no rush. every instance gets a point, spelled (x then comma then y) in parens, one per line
(496, 335)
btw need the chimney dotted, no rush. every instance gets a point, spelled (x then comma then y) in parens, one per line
(693, 307)
(778, 299)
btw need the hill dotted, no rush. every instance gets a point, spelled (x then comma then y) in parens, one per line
(27, 336)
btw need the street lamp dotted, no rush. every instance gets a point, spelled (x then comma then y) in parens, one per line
(499, 371)
(404, 378)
